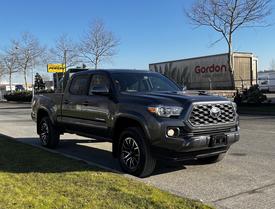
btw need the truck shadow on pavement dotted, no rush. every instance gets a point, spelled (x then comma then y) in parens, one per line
(20, 158)
(84, 149)
(105, 158)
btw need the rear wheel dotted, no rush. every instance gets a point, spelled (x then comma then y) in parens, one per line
(212, 159)
(48, 133)
(134, 153)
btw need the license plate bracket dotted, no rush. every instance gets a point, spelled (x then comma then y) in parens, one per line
(218, 140)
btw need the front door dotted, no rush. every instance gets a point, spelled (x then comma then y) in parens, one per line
(99, 105)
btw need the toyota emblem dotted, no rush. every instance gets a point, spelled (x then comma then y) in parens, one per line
(215, 112)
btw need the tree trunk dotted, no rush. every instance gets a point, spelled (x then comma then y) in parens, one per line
(10, 81)
(96, 64)
(96, 61)
(231, 62)
(25, 78)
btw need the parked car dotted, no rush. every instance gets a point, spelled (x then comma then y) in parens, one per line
(19, 87)
(145, 116)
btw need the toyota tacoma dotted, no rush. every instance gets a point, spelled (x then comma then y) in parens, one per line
(143, 114)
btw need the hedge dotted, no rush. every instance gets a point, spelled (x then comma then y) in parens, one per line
(19, 96)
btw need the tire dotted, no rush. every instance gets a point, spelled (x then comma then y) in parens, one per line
(49, 135)
(211, 159)
(140, 162)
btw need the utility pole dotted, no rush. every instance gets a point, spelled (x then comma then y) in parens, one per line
(32, 85)
(65, 66)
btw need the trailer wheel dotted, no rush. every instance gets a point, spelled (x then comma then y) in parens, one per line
(49, 134)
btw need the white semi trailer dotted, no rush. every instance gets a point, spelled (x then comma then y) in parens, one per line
(211, 72)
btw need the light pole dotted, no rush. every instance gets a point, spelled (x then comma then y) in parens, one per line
(65, 57)
(65, 63)
(32, 85)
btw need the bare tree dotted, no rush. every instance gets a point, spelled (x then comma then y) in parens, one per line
(9, 62)
(227, 16)
(30, 53)
(65, 51)
(98, 44)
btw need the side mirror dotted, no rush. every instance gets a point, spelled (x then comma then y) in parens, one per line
(99, 90)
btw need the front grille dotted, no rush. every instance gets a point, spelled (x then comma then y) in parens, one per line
(212, 114)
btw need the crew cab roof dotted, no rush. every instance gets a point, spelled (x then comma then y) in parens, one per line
(114, 71)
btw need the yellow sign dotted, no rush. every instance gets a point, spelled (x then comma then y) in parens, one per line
(56, 68)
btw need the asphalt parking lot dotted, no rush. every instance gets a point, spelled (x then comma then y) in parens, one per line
(244, 179)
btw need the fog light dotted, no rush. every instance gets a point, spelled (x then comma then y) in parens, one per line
(171, 132)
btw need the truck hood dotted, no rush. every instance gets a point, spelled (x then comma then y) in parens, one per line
(175, 98)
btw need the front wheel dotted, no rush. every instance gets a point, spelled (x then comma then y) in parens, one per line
(134, 153)
(48, 133)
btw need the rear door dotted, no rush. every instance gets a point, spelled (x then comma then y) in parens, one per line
(74, 100)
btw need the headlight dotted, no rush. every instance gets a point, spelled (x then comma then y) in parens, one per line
(165, 111)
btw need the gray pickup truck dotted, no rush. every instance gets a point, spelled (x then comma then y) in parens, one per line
(143, 114)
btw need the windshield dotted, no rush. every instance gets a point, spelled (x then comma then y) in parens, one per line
(143, 82)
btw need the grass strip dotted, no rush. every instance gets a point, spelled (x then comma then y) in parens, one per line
(34, 178)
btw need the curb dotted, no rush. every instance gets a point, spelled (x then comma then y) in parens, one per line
(13, 108)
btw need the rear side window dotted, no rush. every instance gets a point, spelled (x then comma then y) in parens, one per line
(99, 80)
(79, 85)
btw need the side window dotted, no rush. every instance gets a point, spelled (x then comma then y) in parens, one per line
(99, 81)
(158, 84)
(79, 85)
(139, 85)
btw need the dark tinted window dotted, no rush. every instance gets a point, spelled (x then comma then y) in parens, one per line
(143, 82)
(99, 80)
(79, 85)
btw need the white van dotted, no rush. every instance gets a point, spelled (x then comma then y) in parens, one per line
(266, 81)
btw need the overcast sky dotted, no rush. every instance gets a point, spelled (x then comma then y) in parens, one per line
(149, 30)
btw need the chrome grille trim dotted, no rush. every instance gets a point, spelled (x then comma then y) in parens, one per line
(200, 114)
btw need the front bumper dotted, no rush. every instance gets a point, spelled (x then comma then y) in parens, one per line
(193, 145)
(168, 155)
(194, 140)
